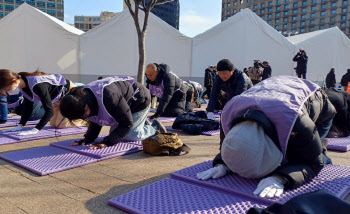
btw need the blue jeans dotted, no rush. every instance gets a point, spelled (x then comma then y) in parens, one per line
(3, 108)
(323, 130)
(139, 130)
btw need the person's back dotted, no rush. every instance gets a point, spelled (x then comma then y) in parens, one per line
(345, 80)
(330, 79)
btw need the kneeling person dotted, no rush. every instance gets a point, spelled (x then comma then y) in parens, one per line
(117, 102)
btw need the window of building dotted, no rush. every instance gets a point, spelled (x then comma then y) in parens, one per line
(285, 19)
(286, 6)
(302, 30)
(248, 1)
(270, 3)
(294, 18)
(343, 24)
(262, 5)
(302, 23)
(303, 16)
(333, 11)
(343, 17)
(19, 1)
(9, 7)
(344, 10)
(304, 3)
(294, 24)
(313, 8)
(323, 0)
(255, 6)
(286, 1)
(312, 15)
(9, 1)
(286, 13)
(345, 2)
(51, 12)
(323, 13)
(228, 5)
(278, 1)
(269, 22)
(96, 19)
(312, 22)
(278, 8)
(277, 21)
(269, 10)
(311, 29)
(262, 17)
(314, 1)
(278, 14)
(40, 4)
(295, 11)
(51, 5)
(322, 20)
(303, 10)
(262, 11)
(76, 25)
(269, 16)
(323, 6)
(293, 31)
(295, 5)
(276, 27)
(332, 19)
(31, 2)
(334, 4)
(285, 26)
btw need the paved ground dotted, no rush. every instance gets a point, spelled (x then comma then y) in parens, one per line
(87, 189)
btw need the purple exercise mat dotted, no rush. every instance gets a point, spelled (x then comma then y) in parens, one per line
(15, 121)
(172, 196)
(46, 160)
(237, 185)
(208, 133)
(7, 140)
(336, 174)
(46, 132)
(108, 152)
(339, 144)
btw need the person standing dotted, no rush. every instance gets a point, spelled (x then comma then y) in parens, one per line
(330, 79)
(267, 70)
(301, 58)
(345, 79)
(255, 73)
(208, 81)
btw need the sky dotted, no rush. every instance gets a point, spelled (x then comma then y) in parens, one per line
(196, 16)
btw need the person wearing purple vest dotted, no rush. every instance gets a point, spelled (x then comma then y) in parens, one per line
(37, 87)
(169, 89)
(118, 102)
(275, 131)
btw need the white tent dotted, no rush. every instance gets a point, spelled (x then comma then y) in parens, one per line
(242, 38)
(31, 39)
(112, 47)
(326, 49)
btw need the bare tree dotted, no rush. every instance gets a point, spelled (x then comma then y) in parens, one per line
(141, 32)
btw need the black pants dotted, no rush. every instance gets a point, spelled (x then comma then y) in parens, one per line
(176, 106)
(207, 92)
(255, 82)
(302, 74)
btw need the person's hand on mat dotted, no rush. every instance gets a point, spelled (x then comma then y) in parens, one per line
(211, 116)
(216, 172)
(17, 128)
(78, 142)
(269, 187)
(29, 132)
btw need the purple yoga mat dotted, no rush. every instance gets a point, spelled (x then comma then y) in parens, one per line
(46, 132)
(237, 185)
(336, 174)
(6, 140)
(172, 196)
(208, 133)
(46, 160)
(9, 116)
(339, 144)
(166, 119)
(120, 149)
(15, 121)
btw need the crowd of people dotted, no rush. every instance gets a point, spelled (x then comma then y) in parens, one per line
(283, 146)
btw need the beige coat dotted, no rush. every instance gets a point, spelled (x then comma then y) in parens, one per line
(255, 73)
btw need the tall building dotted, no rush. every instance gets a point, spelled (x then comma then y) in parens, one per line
(86, 23)
(168, 12)
(52, 7)
(292, 17)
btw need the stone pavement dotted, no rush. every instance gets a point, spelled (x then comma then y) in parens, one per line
(87, 189)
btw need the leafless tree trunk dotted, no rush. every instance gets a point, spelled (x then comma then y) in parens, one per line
(141, 32)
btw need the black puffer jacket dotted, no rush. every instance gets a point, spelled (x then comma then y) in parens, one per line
(330, 80)
(120, 104)
(345, 79)
(301, 63)
(341, 103)
(195, 123)
(304, 151)
(208, 78)
(232, 87)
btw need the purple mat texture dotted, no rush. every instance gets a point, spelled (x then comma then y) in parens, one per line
(172, 196)
(46, 132)
(336, 174)
(153, 110)
(166, 119)
(208, 133)
(9, 116)
(108, 152)
(46, 160)
(245, 187)
(15, 121)
(7, 140)
(339, 144)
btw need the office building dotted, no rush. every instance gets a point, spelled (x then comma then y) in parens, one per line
(292, 17)
(54, 8)
(86, 23)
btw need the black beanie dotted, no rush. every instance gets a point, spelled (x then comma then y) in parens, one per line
(224, 65)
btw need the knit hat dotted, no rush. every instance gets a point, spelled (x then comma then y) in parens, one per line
(249, 152)
(225, 65)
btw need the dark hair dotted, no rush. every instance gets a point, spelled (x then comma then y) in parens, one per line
(348, 70)
(7, 77)
(72, 105)
(100, 78)
(224, 65)
(37, 72)
(332, 69)
(265, 62)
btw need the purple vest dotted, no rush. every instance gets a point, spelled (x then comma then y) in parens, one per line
(15, 104)
(157, 90)
(280, 98)
(53, 79)
(103, 118)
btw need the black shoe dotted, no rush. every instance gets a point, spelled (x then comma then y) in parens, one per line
(158, 126)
